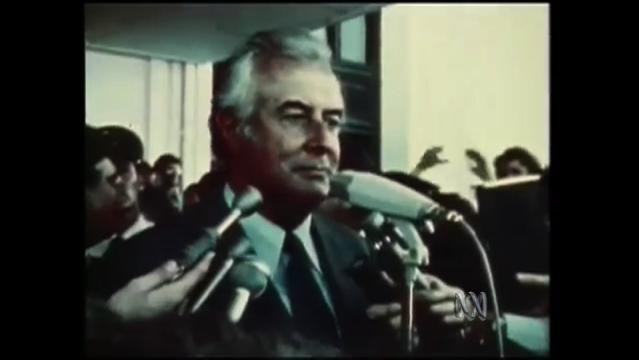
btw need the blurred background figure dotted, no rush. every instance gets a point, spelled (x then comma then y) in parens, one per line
(516, 161)
(145, 175)
(168, 169)
(164, 198)
(191, 196)
(100, 179)
(125, 150)
(212, 180)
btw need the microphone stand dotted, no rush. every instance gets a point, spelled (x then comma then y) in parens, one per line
(417, 255)
(386, 236)
(410, 276)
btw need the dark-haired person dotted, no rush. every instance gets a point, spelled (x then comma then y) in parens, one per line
(100, 181)
(164, 200)
(191, 196)
(516, 161)
(125, 150)
(145, 175)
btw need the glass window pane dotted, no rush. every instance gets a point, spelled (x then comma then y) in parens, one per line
(353, 40)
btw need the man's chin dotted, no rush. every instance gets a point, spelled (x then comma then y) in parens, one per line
(311, 191)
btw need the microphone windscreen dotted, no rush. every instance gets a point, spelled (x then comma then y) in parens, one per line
(374, 192)
(248, 201)
(374, 220)
(251, 275)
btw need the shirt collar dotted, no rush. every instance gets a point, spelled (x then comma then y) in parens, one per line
(138, 226)
(267, 238)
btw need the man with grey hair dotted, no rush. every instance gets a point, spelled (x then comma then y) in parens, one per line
(276, 127)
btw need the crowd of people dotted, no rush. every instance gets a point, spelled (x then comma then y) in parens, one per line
(276, 129)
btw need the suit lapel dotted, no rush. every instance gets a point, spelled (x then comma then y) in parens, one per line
(355, 284)
(339, 252)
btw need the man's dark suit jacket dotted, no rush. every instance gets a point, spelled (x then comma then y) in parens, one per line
(349, 269)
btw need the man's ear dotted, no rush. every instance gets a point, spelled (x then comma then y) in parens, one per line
(227, 124)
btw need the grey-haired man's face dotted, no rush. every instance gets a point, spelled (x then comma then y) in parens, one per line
(294, 136)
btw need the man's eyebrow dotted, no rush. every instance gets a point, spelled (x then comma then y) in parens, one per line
(293, 104)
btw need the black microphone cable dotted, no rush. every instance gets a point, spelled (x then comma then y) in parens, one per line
(458, 219)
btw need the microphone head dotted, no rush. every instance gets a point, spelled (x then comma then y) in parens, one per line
(250, 274)
(377, 193)
(340, 183)
(374, 220)
(248, 201)
(377, 223)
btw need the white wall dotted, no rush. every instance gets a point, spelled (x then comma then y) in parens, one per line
(115, 91)
(463, 76)
(146, 95)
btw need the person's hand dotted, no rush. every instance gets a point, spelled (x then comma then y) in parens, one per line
(436, 299)
(480, 167)
(429, 159)
(155, 293)
(434, 305)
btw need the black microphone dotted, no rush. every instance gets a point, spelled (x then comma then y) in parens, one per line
(245, 204)
(373, 192)
(387, 255)
(249, 279)
(397, 244)
(399, 263)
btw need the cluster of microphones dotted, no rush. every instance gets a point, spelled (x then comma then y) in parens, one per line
(397, 216)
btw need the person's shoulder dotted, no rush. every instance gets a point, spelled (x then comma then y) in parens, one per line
(343, 241)
(356, 259)
(327, 224)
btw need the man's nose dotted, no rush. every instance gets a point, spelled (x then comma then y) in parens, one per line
(323, 140)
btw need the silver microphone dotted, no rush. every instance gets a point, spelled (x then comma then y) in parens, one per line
(249, 279)
(373, 192)
(245, 204)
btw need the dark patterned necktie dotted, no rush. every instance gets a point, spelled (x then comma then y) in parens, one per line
(311, 315)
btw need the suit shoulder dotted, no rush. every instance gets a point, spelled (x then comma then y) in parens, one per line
(342, 236)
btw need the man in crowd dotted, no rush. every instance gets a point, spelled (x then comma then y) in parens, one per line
(100, 179)
(516, 161)
(163, 200)
(109, 197)
(124, 149)
(277, 129)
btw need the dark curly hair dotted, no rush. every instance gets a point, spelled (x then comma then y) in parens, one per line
(519, 154)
